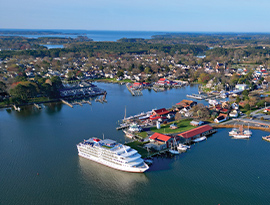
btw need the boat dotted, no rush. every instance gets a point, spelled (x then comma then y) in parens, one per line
(196, 96)
(234, 131)
(134, 128)
(266, 138)
(172, 150)
(112, 154)
(200, 139)
(182, 147)
(241, 134)
(247, 132)
(128, 134)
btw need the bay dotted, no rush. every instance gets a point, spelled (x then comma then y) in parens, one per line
(39, 162)
(95, 35)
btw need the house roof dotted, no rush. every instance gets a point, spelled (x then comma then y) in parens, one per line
(195, 131)
(160, 137)
(162, 111)
(185, 102)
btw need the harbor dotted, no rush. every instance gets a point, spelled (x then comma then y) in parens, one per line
(44, 142)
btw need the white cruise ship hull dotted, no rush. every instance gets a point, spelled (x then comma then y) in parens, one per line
(113, 165)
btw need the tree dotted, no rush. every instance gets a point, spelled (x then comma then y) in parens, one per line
(120, 73)
(3, 87)
(247, 107)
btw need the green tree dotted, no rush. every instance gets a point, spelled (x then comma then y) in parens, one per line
(120, 73)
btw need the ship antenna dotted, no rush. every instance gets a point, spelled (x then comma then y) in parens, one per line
(103, 136)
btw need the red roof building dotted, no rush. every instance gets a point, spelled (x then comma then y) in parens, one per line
(160, 137)
(160, 112)
(197, 132)
(161, 141)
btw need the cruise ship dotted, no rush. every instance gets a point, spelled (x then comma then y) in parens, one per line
(112, 154)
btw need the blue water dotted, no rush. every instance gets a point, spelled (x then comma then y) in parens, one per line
(95, 35)
(52, 46)
(217, 171)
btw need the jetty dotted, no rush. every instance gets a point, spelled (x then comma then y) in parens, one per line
(37, 106)
(67, 103)
(17, 108)
(158, 89)
(122, 126)
(196, 96)
(88, 102)
(134, 92)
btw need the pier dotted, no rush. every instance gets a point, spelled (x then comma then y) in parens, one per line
(65, 102)
(17, 108)
(134, 92)
(37, 106)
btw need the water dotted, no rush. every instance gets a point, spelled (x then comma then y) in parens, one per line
(52, 46)
(95, 35)
(217, 171)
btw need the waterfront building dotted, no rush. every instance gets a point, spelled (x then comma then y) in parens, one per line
(196, 123)
(197, 132)
(186, 103)
(160, 141)
(221, 118)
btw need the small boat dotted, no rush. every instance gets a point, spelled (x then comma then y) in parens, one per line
(135, 128)
(241, 136)
(172, 150)
(199, 139)
(182, 147)
(128, 134)
(266, 138)
(234, 131)
(247, 132)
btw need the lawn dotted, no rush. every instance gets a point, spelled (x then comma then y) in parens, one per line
(138, 146)
(183, 125)
(142, 134)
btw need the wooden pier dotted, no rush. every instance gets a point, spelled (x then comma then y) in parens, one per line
(17, 108)
(37, 106)
(65, 102)
(122, 127)
(134, 92)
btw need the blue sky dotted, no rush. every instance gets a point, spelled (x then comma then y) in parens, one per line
(139, 15)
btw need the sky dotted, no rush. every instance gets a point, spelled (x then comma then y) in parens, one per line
(138, 15)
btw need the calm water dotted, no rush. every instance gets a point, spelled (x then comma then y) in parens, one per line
(95, 35)
(217, 171)
(52, 46)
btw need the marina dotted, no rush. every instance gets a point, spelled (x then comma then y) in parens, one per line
(44, 142)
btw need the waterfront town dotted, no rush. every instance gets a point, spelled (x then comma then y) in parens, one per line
(230, 90)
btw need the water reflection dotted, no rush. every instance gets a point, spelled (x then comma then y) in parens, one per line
(108, 177)
(52, 108)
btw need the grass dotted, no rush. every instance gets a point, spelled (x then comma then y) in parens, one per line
(183, 125)
(142, 134)
(138, 146)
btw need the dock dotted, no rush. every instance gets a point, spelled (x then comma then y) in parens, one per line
(37, 106)
(134, 92)
(65, 102)
(88, 102)
(17, 108)
(158, 89)
(122, 126)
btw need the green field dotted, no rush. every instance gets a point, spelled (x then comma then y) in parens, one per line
(139, 147)
(183, 125)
